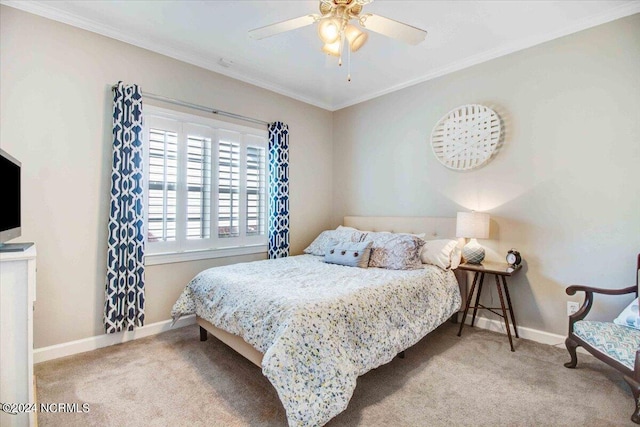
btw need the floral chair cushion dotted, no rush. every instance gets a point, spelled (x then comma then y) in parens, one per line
(617, 342)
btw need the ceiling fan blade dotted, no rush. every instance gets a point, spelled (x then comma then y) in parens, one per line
(281, 27)
(394, 29)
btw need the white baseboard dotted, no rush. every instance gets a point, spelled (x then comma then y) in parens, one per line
(524, 332)
(87, 344)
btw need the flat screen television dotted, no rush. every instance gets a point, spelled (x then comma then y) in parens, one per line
(10, 212)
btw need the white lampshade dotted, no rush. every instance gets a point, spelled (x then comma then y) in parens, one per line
(356, 37)
(473, 225)
(329, 30)
(332, 48)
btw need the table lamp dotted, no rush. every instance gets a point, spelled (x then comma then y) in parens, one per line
(472, 225)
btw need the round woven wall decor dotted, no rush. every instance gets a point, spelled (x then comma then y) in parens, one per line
(466, 137)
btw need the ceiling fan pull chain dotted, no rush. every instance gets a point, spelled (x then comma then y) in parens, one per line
(341, 47)
(348, 64)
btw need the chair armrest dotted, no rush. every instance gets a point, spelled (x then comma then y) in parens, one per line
(588, 299)
(571, 290)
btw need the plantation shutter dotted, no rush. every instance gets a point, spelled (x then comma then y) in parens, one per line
(256, 190)
(163, 181)
(228, 185)
(198, 187)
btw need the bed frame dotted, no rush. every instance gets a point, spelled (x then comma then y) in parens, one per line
(433, 227)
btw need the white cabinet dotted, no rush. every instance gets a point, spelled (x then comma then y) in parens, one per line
(17, 295)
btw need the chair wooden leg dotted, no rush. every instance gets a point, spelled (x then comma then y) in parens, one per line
(203, 334)
(571, 348)
(635, 389)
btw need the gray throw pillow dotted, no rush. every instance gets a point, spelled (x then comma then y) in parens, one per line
(329, 237)
(349, 254)
(395, 251)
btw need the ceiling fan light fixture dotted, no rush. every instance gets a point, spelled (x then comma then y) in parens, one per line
(335, 30)
(332, 49)
(329, 30)
(356, 37)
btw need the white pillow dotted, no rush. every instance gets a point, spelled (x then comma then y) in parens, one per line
(456, 257)
(629, 316)
(443, 253)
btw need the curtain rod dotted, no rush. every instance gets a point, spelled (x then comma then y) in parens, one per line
(201, 108)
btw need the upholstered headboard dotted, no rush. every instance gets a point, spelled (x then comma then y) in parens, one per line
(433, 227)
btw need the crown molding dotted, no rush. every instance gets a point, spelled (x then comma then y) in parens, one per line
(45, 10)
(193, 58)
(593, 21)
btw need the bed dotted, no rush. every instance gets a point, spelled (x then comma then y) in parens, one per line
(314, 327)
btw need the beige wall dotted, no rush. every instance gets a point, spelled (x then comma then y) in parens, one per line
(564, 188)
(55, 117)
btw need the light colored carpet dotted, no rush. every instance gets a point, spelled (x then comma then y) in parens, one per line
(173, 379)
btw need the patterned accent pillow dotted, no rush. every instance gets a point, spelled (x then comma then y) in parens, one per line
(394, 251)
(349, 254)
(629, 316)
(329, 237)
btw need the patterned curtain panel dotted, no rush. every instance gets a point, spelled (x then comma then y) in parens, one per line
(124, 295)
(278, 190)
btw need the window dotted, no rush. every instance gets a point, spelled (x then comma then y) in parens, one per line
(206, 187)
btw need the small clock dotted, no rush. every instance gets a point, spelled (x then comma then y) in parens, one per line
(513, 257)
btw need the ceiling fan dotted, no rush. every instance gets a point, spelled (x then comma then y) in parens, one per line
(336, 30)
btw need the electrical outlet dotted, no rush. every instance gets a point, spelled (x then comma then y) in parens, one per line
(572, 307)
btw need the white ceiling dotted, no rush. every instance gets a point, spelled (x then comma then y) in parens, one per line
(460, 34)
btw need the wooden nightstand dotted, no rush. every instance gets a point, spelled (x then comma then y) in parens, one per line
(500, 270)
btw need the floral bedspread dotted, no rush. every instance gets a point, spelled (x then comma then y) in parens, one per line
(319, 325)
